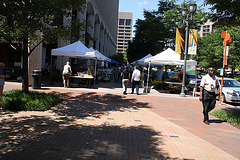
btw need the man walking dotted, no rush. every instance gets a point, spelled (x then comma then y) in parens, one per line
(136, 80)
(208, 86)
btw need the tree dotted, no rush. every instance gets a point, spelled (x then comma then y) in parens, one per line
(210, 49)
(152, 33)
(225, 12)
(26, 24)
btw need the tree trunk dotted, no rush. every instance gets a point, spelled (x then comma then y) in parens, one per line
(25, 66)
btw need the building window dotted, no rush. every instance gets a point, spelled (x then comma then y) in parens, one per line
(128, 34)
(120, 33)
(121, 30)
(127, 27)
(127, 30)
(120, 37)
(127, 37)
(121, 21)
(128, 22)
(121, 27)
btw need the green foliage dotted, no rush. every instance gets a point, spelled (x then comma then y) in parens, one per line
(31, 101)
(210, 49)
(232, 116)
(26, 24)
(159, 27)
(225, 12)
(121, 58)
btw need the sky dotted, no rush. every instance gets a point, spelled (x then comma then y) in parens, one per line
(137, 7)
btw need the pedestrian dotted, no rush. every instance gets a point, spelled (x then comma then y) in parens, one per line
(66, 74)
(3, 62)
(209, 90)
(135, 80)
(125, 79)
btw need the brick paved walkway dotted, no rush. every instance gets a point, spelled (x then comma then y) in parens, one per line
(103, 124)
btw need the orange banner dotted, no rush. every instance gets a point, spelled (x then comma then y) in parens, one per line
(179, 44)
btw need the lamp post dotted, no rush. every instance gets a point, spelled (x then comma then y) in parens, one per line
(185, 15)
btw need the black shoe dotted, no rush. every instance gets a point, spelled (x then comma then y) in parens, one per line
(206, 122)
(124, 92)
(132, 93)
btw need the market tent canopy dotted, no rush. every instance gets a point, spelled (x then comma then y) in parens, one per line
(169, 57)
(141, 61)
(113, 61)
(77, 49)
(101, 56)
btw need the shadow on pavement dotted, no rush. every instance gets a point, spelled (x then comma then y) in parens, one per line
(59, 136)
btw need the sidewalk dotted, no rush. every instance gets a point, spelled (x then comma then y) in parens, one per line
(102, 123)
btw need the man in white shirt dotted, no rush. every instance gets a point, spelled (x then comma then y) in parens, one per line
(136, 80)
(208, 85)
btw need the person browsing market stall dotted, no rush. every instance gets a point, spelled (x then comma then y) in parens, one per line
(135, 80)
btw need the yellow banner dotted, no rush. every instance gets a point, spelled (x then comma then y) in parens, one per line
(192, 45)
(179, 44)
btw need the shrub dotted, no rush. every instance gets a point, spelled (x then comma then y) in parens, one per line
(32, 101)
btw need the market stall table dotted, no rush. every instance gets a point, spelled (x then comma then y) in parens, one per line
(87, 78)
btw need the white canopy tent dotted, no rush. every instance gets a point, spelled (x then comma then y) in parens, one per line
(77, 49)
(101, 56)
(168, 57)
(141, 61)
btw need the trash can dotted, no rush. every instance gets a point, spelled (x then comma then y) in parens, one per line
(36, 79)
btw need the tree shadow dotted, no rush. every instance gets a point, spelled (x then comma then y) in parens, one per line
(95, 105)
(40, 137)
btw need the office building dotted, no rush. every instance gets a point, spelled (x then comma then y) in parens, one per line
(124, 34)
(206, 28)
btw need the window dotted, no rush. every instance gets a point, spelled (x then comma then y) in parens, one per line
(127, 30)
(127, 27)
(121, 27)
(121, 30)
(126, 43)
(120, 33)
(127, 37)
(128, 22)
(120, 37)
(128, 34)
(121, 21)
(120, 43)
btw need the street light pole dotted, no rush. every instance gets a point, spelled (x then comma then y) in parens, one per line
(185, 14)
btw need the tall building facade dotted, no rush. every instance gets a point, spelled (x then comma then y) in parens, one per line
(124, 34)
(206, 28)
(101, 20)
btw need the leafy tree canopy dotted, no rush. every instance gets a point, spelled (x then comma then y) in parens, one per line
(225, 12)
(210, 49)
(26, 24)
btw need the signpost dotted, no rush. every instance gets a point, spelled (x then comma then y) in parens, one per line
(227, 40)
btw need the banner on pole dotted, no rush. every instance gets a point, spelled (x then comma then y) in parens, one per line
(192, 45)
(226, 56)
(179, 43)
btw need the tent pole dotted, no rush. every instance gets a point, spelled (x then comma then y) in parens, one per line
(51, 78)
(95, 73)
(148, 75)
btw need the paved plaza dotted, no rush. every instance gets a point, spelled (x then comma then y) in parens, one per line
(100, 123)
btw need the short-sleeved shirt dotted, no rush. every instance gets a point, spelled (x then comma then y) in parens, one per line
(209, 83)
(125, 74)
(136, 75)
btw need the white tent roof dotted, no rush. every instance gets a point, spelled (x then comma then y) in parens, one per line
(76, 49)
(101, 56)
(169, 57)
(141, 61)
